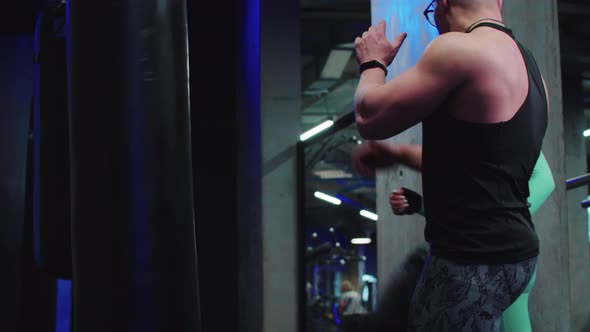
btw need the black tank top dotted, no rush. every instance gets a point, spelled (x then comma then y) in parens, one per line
(475, 179)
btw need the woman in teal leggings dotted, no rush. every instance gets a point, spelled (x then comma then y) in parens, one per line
(541, 185)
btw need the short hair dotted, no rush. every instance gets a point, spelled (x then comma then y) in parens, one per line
(345, 286)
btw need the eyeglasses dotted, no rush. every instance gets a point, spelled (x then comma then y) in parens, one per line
(429, 13)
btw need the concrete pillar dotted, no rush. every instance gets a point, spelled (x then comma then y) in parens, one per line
(397, 235)
(251, 280)
(226, 132)
(574, 124)
(549, 305)
(280, 108)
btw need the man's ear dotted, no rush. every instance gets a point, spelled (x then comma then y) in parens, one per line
(444, 4)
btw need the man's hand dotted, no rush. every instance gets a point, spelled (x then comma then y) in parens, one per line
(373, 45)
(405, 201)
(372, 155)
(398, 202)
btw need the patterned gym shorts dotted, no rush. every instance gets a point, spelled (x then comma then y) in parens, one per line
(456, 297)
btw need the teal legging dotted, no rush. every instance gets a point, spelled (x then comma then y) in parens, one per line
(516, 317)
(541, 185)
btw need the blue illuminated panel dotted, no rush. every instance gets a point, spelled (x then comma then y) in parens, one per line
(63, 305)
(404, 16)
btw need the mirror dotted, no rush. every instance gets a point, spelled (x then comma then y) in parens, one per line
(338, 229)
(330, 195)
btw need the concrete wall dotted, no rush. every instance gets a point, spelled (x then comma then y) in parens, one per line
(397, 235)
(574, 124)
(552, 300)
(280, 100)
(559, 301)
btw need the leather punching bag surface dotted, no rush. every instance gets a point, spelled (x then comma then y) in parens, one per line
(16, 82)
(133, 234)
(51, 195)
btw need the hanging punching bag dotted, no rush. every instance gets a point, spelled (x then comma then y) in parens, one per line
(133, 234)
(50, 159)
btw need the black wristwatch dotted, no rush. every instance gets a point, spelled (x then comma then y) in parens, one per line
(372, 64)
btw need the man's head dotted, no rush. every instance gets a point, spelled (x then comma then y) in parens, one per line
(456, 15)
(345, 286)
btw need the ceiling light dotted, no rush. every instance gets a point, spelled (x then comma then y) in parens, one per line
(316, 130)
(360, 240)
(327, 198)
(587, 133)
(333, 174)
(368, 214)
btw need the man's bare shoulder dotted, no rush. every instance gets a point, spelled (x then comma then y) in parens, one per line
(454, 51)
(454, 44)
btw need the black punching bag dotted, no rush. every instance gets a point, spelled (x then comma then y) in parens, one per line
(51, 187)
(133, 234)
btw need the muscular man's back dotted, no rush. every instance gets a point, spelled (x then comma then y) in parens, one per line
(495, 120)
(498, 83)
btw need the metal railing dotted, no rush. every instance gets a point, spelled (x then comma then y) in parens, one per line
(579, 181)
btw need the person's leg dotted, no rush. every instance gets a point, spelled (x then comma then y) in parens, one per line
(516, 317)
(391, 313)
(456, 297)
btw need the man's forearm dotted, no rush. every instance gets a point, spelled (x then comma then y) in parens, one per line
(363, 106)
(408, 154)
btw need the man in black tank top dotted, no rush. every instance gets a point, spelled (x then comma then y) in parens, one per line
(484, 118)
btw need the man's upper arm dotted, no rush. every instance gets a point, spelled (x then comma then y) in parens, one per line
(409, 98)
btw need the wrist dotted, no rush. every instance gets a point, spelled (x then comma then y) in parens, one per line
(372, 64)
(396, 152)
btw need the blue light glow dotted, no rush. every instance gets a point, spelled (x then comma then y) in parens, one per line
(63, 310)
(335, 312)
(36, 150)
(365, 293)
(404, 16)
(251, 66)
(350, 202)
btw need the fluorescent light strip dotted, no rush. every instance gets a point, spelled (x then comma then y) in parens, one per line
(586, 132)
(327, 198)
(316, 130)
(368, 214)
(361, 240)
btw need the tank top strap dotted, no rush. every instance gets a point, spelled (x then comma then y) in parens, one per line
(530, 61)
(494, 26)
